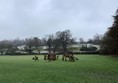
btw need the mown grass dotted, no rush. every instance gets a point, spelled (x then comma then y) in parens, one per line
(89, 69)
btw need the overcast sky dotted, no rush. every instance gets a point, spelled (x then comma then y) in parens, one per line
(37, 18)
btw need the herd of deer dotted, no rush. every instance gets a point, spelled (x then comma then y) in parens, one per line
(53, 57)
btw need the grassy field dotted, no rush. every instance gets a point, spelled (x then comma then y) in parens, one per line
(89, 69)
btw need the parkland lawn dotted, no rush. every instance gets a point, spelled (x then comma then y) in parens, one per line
(89, 69)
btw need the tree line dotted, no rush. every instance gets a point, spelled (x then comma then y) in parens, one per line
(58, 41)
(61, 40)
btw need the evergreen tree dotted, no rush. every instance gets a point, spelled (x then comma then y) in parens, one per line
(110, 39)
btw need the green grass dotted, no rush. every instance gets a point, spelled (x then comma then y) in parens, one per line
(89, 69)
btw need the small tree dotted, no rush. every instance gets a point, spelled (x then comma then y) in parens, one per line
(4, 46)
(32, 43)
(49, 41)
(29, 45)
(97, 39)
(36, 44)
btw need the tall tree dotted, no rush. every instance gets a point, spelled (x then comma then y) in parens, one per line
(65, 38)
(110, 39)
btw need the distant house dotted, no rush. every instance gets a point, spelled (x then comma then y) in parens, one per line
(21, 47)
(43, 49)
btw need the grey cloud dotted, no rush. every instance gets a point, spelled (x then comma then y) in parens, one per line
(26, 18)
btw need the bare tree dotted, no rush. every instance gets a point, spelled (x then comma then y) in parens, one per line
(56, 45)
(65, 38)
(49, 41)
(17, 42)
(36, 44)
(32, 44)
(29, 45)
(81, 40)
(7, 47)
